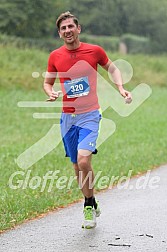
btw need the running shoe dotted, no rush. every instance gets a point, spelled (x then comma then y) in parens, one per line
(89, 217)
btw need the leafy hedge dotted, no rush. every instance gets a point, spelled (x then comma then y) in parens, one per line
(109, 43)
(136, 44)
(19, 42)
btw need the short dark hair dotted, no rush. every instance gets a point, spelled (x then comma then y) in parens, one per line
(64, 16)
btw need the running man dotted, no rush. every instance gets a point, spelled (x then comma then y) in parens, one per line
(76, 64)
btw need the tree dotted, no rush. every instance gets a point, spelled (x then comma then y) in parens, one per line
(37, 18)
(25, 18)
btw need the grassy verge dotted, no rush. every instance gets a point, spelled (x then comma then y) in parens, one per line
(138, 144)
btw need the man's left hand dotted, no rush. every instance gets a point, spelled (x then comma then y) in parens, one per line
(127, 95)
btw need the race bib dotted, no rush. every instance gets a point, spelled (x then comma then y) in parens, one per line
(77, 87)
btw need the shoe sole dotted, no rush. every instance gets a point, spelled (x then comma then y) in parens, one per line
(88, 227)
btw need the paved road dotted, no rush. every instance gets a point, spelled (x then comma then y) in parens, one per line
(133, 219)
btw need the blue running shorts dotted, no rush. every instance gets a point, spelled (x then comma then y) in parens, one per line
(79, 131)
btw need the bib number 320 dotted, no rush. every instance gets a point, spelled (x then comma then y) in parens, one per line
(77, 87)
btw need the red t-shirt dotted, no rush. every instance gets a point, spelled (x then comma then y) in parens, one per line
(77, 71)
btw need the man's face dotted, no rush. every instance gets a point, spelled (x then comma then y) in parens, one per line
(69, 31)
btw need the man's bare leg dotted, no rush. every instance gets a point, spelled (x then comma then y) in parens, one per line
(84, 169)
(85, 177)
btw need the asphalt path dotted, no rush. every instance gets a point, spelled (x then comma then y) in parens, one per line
(134, 218)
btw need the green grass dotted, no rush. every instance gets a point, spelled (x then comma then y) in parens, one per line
(139, 142)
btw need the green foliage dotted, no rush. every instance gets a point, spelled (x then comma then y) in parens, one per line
(94, 16)
(46, 44)
(107, 42)
(145, 18)
(36, 18)
(136, 44)
(25, 18)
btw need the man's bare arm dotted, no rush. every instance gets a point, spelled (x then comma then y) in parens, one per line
(117, 78)
(48, 88)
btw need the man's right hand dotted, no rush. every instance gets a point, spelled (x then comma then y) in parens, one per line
(54, 95)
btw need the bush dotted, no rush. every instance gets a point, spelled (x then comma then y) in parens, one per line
(109, 43)
(136, 44)
(45, 44)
